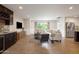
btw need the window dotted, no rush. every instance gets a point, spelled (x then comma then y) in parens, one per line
(42, 26)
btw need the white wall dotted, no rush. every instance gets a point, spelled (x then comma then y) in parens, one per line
(61, 26)
(32, 26)
(13, 27)
(27, 26)
(53, 25)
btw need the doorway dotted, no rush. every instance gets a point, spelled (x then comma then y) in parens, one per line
(70, 28)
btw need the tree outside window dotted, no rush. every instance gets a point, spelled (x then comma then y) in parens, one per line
(42, 26)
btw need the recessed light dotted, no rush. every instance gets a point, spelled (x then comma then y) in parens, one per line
(20, 7)
(70, 8)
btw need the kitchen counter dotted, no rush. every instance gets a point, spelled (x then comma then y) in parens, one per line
(7, 39)
(3, 33)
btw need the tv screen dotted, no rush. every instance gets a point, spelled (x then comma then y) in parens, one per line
(19, 25)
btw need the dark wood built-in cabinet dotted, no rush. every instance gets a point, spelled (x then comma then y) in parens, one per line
(1, 44)
(10, 39)
(77, 36)
(6, 15)
(7, 40)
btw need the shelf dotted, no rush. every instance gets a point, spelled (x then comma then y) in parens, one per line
(3, 18)
(6, 15)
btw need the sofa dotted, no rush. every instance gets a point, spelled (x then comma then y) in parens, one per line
(56, 36)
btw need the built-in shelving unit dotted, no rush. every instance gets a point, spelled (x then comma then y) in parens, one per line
(6, 15)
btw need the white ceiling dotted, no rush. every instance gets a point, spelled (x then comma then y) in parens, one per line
(44, 11)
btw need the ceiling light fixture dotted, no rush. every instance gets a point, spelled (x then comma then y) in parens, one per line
(20, 7)
(70, 8)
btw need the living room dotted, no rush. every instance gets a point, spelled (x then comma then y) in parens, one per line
(29, 19)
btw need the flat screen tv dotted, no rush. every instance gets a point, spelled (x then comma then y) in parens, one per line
(18, 25)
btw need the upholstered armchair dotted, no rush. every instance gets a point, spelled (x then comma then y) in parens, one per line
(44, 38)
